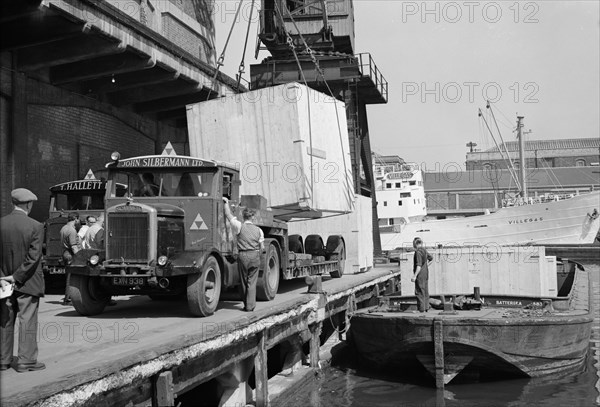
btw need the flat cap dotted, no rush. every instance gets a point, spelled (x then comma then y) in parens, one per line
(22, 195)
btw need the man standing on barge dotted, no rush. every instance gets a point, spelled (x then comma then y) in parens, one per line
(421, 277)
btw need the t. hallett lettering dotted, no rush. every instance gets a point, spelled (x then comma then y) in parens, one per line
(82, 185)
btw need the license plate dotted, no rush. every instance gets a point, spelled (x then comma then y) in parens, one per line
(130, 281)
(54, 270)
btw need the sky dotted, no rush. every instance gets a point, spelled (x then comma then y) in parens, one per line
(442, 60)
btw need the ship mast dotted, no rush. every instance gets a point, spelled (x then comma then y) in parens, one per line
(522, 159)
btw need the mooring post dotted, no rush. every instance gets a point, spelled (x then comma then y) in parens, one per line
(438, 343)
(261, 373)
(315, 344)
(163, 394)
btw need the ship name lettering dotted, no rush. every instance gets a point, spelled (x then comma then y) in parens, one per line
(526, 220)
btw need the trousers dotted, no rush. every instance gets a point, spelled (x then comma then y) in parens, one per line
(248, 265)
(25, 307)
(422, 291)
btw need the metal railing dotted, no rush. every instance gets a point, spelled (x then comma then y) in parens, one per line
(368, 68)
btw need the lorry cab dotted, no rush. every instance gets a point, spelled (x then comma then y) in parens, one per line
(84, 197)
(166, 236)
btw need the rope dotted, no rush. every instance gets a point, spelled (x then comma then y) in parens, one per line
(221, 59)
(313, 58)
(349, 315)
(242, 67)
(510, 163)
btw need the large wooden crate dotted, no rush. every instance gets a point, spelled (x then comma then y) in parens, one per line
(276, 136)
(501, 270)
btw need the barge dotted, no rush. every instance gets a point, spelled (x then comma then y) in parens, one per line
(484, 334)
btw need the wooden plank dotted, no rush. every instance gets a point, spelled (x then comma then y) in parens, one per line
(164, 390)
(438, 343)
(261, 373)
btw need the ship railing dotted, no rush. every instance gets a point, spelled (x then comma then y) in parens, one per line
(509, 202)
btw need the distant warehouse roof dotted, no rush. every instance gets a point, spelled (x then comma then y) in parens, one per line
(559, 144)
(538, 178)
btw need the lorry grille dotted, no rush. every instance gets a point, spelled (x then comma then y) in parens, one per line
(128, 237)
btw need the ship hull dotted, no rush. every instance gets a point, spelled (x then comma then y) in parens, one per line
(570, 221)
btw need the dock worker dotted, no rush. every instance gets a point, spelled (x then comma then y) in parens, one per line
(69, 236)
(20, 264)
(89, 221)
(250, 243)
(421, 262)
(94, 237)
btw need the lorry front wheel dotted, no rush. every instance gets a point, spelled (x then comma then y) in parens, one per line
(87, 296)
(204, 289)
(268, 280)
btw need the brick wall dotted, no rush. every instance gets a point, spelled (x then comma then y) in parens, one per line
(199, 10)
(5, 172)
(186, 38)
(61, 135)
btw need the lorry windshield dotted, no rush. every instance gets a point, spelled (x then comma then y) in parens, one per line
(152, 183)
(71, 202)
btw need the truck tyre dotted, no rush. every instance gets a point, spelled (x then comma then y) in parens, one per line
(204, 288)
(336, 248)
(268, 279)
(295, 244)
(87, 296)
(314, 245)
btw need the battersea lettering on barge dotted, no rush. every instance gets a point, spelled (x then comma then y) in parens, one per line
(162, 161)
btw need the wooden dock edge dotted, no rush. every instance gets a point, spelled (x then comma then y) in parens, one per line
(150, 383)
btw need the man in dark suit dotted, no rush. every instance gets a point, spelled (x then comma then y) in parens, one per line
(20, 255)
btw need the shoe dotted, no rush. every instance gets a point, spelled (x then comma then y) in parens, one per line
(4, 366)
(29, 367)
(66, 302)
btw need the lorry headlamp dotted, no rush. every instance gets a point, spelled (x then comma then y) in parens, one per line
(94, 260)
(115, 156)
(162, 260)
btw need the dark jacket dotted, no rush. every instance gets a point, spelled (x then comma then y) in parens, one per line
(21, 252)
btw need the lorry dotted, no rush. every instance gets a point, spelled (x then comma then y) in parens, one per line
(168, 237)
(85, 197)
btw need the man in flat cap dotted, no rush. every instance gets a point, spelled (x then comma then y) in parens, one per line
(20, 264)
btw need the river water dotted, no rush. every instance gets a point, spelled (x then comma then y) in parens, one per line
(346, 384)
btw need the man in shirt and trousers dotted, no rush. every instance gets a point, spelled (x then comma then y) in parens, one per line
(421, 262)
(20, 265)
(250, 242)
(69, 236)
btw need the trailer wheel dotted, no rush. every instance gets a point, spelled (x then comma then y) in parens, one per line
(87, 296)
(314, 245)
(295, 244)
(336, 248)
(268, 280)
(204, 288)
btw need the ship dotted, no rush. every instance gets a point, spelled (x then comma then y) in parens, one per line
(549, 219)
